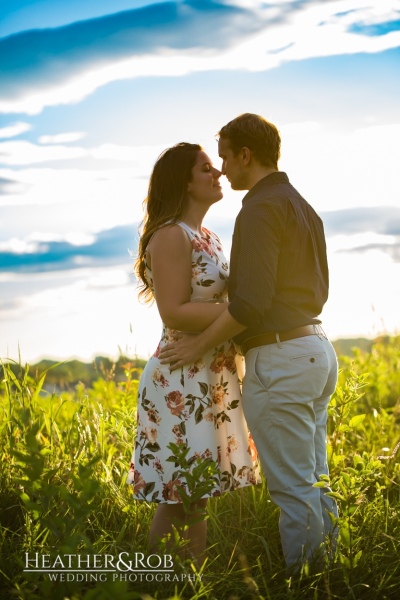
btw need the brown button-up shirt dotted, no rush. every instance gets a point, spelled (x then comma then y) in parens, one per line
(278, 269)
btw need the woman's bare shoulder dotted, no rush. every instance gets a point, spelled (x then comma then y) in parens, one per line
(170, 240)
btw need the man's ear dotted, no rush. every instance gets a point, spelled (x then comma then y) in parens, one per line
(245, 154)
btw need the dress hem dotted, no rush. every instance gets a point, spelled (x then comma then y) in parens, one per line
(205, 497)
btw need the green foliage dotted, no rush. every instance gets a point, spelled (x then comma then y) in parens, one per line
(199, 476)
(66, 375)
(65, 456)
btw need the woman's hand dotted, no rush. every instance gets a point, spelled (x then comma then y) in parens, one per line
(184, 351)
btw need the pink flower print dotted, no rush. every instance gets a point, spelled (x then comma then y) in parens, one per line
(170, 490)
(218, 363)
(206, 454)
(151, 434)
(248, 473)
(175, 402)
(196, 272)
(208, 416)
(159, 378)
(217, 394)
(232, 445)
(153, 416)
(158, 466)
(251, 477)
(251, 449)
(176, 430)
(207, 247)
(230, 361)
(196, 368)
(138, 482)
(196, 244)
(170, 336)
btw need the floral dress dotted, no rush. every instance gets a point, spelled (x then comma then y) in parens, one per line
(197, 407)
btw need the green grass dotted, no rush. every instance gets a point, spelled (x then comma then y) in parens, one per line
(62, 491)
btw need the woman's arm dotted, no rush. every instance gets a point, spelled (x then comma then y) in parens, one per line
(169, 255)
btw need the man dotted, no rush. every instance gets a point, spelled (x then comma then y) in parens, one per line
(277, 287)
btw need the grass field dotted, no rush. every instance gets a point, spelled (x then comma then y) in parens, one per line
(63, 493)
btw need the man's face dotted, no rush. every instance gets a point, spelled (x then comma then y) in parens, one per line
(232, 165)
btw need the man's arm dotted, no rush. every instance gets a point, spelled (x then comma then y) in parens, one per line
(190, 348)
(255, 258)
(256, 262)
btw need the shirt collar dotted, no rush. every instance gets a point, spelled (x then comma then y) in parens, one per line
(271, 179)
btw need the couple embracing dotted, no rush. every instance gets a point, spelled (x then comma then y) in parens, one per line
(263, 313)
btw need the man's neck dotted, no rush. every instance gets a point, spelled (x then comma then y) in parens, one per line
(258, 173)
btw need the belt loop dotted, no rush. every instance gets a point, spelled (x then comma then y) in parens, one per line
(317, 331)
(323, 332)
(278, 340)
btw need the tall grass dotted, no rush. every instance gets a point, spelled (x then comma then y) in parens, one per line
(64, 459)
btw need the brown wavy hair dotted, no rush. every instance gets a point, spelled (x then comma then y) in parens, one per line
(166, 201)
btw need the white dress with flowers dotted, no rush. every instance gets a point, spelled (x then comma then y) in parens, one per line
(198, 406)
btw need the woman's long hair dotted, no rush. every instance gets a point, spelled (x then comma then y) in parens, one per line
(166, 200)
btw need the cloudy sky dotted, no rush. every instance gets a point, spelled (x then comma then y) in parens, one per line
(91, 92)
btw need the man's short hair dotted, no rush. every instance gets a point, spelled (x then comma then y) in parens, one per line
(257, 134)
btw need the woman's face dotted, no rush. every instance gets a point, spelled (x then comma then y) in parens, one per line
(204, 185)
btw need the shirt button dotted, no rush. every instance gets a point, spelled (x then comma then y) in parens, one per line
(312, 359)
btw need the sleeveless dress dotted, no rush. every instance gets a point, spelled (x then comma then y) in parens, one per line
(198, 406)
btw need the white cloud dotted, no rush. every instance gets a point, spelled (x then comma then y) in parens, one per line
(364, 295)
(71, 310)
(333, 170)
(74, 199)
(339, 170)
(67, 316)
(304, 128)
(131, 153)
(36, 241)
(62, 138)
(79, 238)
(22, 152)
(347, 242)
(18, 246)
(14, 129)
(255, 36)
(319, 29)
(106, 279)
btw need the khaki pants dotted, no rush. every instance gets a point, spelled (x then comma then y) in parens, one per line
(286, 392)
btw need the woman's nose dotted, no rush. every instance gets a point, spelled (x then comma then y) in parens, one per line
(217, 174)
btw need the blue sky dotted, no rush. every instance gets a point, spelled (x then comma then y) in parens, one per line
(91, 92)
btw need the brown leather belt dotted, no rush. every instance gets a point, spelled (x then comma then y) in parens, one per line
(283, 336)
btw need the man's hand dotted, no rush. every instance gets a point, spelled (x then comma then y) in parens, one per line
(184, 351)
(192, 346)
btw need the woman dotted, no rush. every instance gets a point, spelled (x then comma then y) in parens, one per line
(198, 407)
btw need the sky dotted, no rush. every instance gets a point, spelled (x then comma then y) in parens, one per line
(91, 93)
